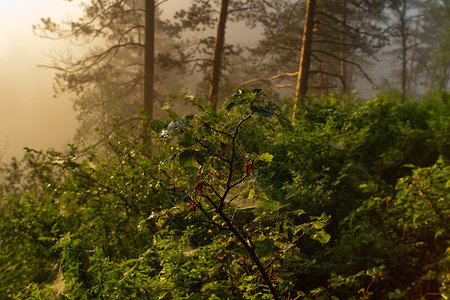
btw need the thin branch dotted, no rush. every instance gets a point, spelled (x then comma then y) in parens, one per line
(233, 155)
(216, 130)
(294, 6)
(161, 2)
(200, 206)
(269, 79)
(349, 62)
(345, 25)
(211, 201)
(87, 63)
(353, 45)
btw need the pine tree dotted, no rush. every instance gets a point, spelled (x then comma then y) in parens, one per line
(108, 79)
(344, 35)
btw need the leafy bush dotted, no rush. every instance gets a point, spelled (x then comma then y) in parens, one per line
(349, 200)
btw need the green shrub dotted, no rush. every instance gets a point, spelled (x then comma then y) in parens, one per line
(242, 204)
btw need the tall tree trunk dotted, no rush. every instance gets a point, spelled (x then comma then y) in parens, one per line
(149, 57)
(413, 55)
(445, 76)
(305, 58)
(404, 49)
(218, 52)
(344, 75)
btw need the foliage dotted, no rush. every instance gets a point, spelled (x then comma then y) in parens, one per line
(349, 201)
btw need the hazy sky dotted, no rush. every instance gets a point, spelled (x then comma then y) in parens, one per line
(29, 114)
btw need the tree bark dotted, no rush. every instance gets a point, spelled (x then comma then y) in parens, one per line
(404, 50)
(305, 58)
(218, 52)
(342, 37)
(149, 57)
(411, 61)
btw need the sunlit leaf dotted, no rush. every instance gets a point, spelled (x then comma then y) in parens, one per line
(167, 160)
(322, 237)
(238, 92)
(174, 125)
(251, 194)
(266, 157)
(265, 206)
(245, 192)
(409, 166)
(299, 212)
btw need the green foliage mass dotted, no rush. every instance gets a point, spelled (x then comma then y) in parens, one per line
(348, 201)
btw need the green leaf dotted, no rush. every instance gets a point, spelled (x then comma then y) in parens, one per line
(319, 225)
(264, 196)
(186, 159)
(245, 192)
(265, 111)
(229, 105)
(157, 126)
(251, 194)
(322, 237)
(131, 261)
(265, 247)
(409, 166)
(266, 157)
(199, 158)
(285, 123)
(186, 141)
(267, 206)
(299, 212)
(317, 291)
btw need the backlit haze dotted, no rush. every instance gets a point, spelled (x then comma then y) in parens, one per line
(29, 114)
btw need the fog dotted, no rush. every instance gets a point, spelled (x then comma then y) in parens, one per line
(29, 114)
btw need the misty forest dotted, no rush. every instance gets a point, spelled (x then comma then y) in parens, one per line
(206, 167)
